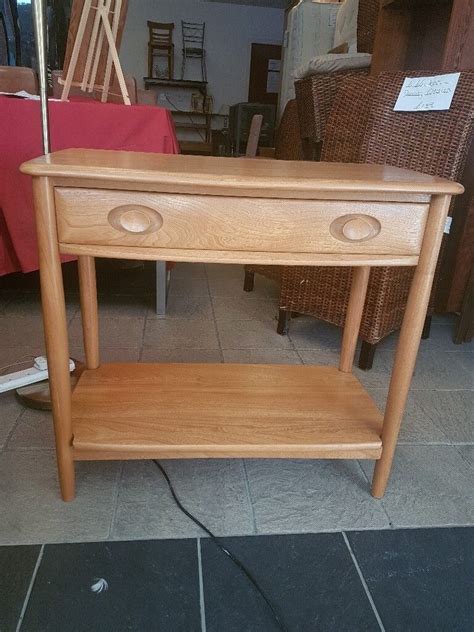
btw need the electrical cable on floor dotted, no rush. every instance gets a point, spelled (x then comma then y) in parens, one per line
(222, 548)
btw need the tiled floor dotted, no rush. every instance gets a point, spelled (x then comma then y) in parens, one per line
(392, 580)
(210, 319)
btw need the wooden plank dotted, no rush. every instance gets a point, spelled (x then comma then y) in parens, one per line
(206, 410)
(251, 177)
(239, 257)
(201, 222)
(459, 49)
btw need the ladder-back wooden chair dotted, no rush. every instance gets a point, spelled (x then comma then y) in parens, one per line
(160, 45)
(193, 45)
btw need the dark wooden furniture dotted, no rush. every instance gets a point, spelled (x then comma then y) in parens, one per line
(435, 35)
(424, 35)
(160, 45)
(16, 78)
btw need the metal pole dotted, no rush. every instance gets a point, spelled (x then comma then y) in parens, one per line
(39, 20)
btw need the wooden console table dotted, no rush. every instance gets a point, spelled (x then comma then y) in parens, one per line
(221, 210)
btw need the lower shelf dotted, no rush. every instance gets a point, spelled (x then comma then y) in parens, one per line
(132, 411)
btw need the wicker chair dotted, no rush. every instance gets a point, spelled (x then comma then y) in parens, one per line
(431, 142)
(315, 94)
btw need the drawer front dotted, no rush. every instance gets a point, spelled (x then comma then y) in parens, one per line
(200, 222)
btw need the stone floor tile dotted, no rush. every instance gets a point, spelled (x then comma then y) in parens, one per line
(184, 270)
(180, 334)
(251, 334)
(323, 357)
(308, 333)
(151, 586)
(233, 287)
(188, 287)
(452, 411)
(26, 331)
(17, 564)
(113, 332)
(311, 496)
(34, 430)
(213, 490)
(261, 356)
(310, 580)
(419, 579)
(182, 306)
(154, 354)
(433, 416)
(245, 308)
(434, 370)
(123, 306)
(35, 513)
(29, 305)
(108, 354)
(429, 486)
(225, 271)
(467, 452)
(10, 411)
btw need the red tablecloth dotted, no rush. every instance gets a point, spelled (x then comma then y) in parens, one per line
(82, 124)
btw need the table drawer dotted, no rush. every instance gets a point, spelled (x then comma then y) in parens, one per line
(201, 222)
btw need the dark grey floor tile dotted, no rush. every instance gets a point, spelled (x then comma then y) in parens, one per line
(151, 586)
(17, 564)
(310, 580)
(419, 579)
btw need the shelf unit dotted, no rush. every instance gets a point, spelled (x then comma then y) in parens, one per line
(151, 82)
(206, 126)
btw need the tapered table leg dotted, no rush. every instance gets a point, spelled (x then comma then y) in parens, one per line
(409, 342)
(55, 328)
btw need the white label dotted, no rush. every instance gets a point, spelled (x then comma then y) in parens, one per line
(274, 65)
(422, 94)
(447, 226)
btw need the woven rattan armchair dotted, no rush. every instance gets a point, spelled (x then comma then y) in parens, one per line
(364, 128)
(315, 94)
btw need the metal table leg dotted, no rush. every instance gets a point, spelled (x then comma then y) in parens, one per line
(161, 288)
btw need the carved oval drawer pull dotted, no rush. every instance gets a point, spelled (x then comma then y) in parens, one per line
(135, 219)
(352, 228)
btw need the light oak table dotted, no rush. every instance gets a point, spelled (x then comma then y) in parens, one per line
(221, 210)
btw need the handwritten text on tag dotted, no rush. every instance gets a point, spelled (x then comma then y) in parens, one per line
(420, 94)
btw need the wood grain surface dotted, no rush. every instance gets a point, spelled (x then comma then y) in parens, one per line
(202, 222)
(204, 410)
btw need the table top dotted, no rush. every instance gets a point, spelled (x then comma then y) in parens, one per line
(269, 177)
(265, 177)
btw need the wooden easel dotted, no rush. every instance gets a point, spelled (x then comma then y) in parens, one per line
(95, 32)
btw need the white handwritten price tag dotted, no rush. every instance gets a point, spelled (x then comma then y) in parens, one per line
(421, 94)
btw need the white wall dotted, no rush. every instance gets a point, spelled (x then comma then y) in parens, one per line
(230, 30)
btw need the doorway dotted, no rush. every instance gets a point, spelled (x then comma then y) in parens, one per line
(264, 83)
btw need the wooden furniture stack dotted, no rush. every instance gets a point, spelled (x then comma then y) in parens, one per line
(221, 210)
